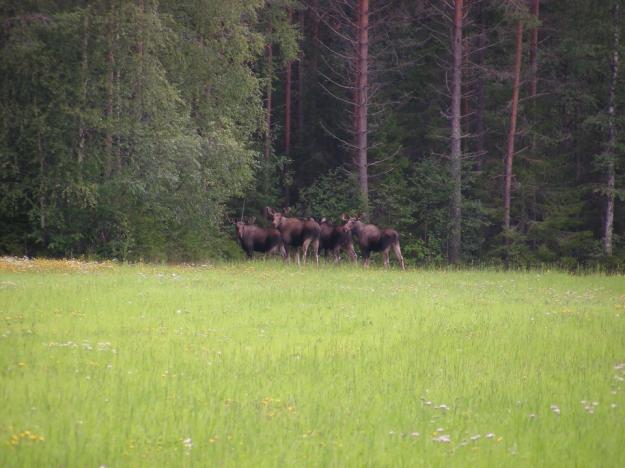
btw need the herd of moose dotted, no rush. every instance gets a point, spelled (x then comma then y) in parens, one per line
(295, 234)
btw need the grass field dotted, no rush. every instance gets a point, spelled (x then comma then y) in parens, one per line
(262, 364)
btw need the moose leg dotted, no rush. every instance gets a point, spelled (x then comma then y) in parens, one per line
(315, 248)
(284, 253)
(305, 245)
(385, 255)
(398, 254)
(336, 252)
(365, 255)
(273, 250)
(352, 253)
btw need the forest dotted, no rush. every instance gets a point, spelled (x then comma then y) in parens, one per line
(486, 132)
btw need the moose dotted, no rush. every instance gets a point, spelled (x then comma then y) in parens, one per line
(296, 233)
(373, 239)
(257, 239)
(336, 238)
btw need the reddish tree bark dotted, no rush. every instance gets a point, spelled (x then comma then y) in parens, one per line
(84, 69)
(466, 70)
(480, 90)
(300, 84)
(287, 101)
(268, 101)
(608, 226)
(138, 91)
(287, 111)
(512, 132)
(362, 75)
(534, 51)
(456, 136)
(110, 79)
(314, 60)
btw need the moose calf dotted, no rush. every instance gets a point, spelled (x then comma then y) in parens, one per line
(256, 239)
(334, 238)
(296, 233)
(373, 239)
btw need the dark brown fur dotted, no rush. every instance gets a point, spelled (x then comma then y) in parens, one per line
(253, 238)
(336, 238)
(296, 233)
(373, 239)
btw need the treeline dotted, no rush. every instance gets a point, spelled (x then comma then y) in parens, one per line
(483, 131)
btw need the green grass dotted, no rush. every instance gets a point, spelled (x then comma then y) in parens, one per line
(262, 364)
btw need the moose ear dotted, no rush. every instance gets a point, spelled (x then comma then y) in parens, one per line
(322, 220)
(359, 216)
(286, 210)
(344, 216)
(252, 220)
(269, 211)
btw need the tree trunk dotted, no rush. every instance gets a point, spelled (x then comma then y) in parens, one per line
(110, 79)
(362, 73)
(287, 102)
(465, 118)
(511, 135)
(300, 85)
(288, 85)
(314, 60)
(84, 70)
(138, 91)
(608, 227)
(534, 51)
(42, 174)
(268, 101)
(118, 108)
(480, 91)
(456, 136)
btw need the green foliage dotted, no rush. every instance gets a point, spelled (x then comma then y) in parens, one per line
(150, 178)
(331, 195)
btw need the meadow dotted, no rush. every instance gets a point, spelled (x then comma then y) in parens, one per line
(266, 364)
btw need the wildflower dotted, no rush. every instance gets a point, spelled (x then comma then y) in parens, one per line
(475, 437)
(414, 434)
(555, 409)
(490, 435)
(443, 438)
(188, 443)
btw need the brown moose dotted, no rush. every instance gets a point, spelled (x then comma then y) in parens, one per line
(336, 238)
(253, 238)
(373, 239)
(296, 233)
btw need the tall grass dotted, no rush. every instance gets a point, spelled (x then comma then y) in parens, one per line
(263, 364)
